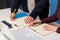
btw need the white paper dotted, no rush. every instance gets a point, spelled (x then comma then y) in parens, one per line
(20, 22)
(2, 37)
(5, 31)
(40, 30)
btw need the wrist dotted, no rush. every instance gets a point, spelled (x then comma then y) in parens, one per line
(31, 17)
(58, 30)
(13, 13)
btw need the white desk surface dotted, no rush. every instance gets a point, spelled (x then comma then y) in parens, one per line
(26, 34)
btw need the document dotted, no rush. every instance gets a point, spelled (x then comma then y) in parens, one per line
(20, 22)
(2, 37)
(39, 29)
(5, 32)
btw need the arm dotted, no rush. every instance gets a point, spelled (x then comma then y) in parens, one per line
(15, 5)
(58, 15)
(14, 8)
(58, 30)
(39, 8)
(49, 19)
(58, 11)
(54, 17)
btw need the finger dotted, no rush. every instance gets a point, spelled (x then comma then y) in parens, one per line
(26, 20)
(12, 18)
(31, 24)
(31, 20)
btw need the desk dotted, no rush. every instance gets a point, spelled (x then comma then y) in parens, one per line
(25, 33)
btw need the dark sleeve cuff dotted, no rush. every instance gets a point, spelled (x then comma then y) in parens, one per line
(12, 10)
(58, 30)
(32, 16)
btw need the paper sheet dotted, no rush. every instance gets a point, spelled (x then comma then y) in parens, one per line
(2, 37)
(20, 22)
(6, 32)
(40, 30)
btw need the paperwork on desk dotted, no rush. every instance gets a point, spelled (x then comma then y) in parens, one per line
(39, 29)
(5, 33)
(20, 22)
(2, 37)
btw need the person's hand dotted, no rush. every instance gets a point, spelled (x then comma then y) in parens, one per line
(28, 20)
(34, 23)
(50, 27)
(12, 16)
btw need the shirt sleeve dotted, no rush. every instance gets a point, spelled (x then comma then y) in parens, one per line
(58, 10)
(39, 8)
(49, 19)
(15, 5)
(58, 30)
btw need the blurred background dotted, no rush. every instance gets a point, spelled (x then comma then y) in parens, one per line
(5, 4)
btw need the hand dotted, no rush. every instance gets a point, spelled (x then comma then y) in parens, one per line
(50, 28)
(28, 20)
(34, 23)
(12, 16)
